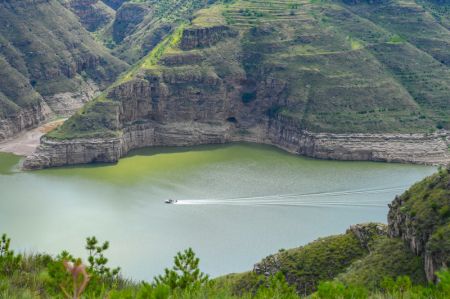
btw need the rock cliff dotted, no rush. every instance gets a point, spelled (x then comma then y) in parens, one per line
(128, 17)
(421, 218)
(93, 14)
(204, 37)
(421, 149)
(24, 119)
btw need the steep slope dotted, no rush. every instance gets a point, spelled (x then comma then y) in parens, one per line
(421, 217)
(93, 14)
(363, 256)
(114, 4)
(324, 79)
(304, 267)
(140, 25)
(49, 64)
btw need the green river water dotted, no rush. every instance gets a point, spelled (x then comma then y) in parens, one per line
(236, 204)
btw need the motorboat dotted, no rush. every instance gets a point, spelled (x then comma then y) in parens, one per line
(170, 201)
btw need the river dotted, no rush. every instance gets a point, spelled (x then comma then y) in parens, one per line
(236, 204)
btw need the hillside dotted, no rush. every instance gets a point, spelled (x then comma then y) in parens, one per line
(139, 26)
(302, 75)
(50, 65)
(336, 66)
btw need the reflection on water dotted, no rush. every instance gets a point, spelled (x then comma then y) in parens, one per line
(234, 204)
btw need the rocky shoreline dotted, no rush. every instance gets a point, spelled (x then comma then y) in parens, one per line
(427, 149)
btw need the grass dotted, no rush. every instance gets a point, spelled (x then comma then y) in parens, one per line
(306, 266)
(388, 258)
(426, 206)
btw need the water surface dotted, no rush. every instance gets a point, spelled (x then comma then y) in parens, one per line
(236, 204)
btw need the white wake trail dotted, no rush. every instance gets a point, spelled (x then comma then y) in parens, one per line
(316, 199)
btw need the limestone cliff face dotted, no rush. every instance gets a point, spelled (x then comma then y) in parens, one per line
(180, 108)
(24, 119)
(428, 149)
(158, 132)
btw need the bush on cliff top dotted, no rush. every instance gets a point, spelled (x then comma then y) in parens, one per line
(98, 118)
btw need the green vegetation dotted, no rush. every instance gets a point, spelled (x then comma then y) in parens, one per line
(154, 28)
(185, 273)
(387, 258)
(342, 67)
(96, 119)
(44, 51)
(425, 206)
(43, 276)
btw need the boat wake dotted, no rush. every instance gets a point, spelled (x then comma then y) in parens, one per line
(319, 199)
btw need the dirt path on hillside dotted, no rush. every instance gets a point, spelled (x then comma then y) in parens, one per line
(25, 143)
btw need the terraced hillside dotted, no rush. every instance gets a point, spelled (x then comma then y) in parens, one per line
(49, 65)
(303, 75)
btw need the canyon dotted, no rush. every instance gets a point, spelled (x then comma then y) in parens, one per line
(203, 85)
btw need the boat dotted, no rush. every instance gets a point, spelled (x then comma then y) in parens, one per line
(170, 201)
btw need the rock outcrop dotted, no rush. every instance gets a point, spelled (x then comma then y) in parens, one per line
(24, 119)
(93, 14)
(364, 147)
(66, 103)
(128, 16)
(429, 149)
(420, 218)
(367, 232)
(205, 36)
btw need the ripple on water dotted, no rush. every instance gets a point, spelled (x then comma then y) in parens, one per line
(238, 202)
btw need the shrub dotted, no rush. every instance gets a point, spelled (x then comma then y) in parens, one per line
(9, 261)
(185, 274)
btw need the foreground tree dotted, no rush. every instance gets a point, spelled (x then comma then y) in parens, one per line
(185, 274)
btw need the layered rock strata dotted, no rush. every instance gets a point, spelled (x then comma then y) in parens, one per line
(404, 148)
(24, 119)
(428, 149)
